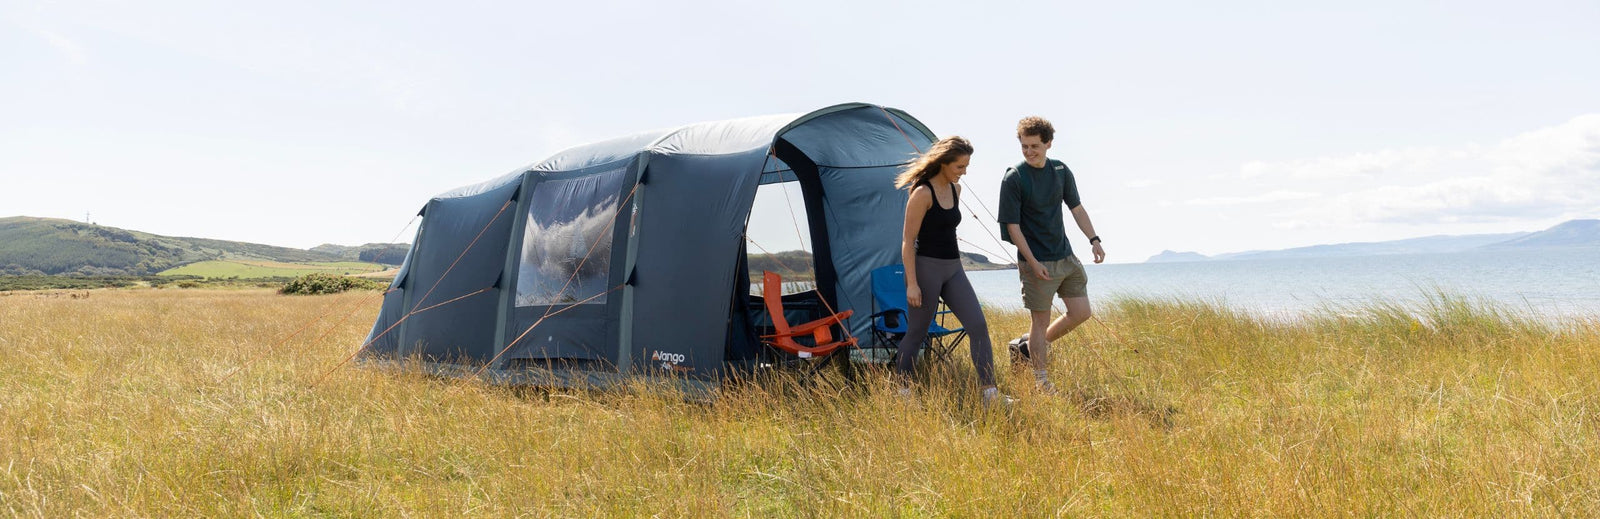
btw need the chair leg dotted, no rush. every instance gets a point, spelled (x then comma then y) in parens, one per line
(890, 342)
(944, 347)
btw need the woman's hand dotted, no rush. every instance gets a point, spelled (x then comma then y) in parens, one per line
(914, 295)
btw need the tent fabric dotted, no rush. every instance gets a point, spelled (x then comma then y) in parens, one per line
(650, 228)
(732, 137)
(862, 237)
(692, 209)
(460, 263)
(604, 152)
(873, 140)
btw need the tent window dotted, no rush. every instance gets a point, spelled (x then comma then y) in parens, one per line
(566, 220)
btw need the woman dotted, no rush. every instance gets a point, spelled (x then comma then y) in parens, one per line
(933, 262)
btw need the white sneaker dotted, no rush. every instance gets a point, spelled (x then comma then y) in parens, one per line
(1048, 388)
(993, 396)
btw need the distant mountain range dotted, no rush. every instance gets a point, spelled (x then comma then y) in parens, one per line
(1572, 233)
(50, 246)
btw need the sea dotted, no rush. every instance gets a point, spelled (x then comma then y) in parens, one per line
(1553, 284)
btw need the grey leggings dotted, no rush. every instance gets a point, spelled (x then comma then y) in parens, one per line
(944, 278)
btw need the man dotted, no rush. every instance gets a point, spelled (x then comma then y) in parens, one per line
(1031, 196)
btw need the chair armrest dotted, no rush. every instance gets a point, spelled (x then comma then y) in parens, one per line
(802, 329)
(886, 314)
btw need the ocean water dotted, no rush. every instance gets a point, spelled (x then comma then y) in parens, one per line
(1547, 283)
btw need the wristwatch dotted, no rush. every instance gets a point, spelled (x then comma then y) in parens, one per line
(1094, 239)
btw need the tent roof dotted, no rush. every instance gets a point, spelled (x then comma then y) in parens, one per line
(705, 138)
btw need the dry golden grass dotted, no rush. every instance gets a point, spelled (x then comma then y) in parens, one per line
(117, 405)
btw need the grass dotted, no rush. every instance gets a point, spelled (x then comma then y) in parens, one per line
(122, 404)
(248, 269)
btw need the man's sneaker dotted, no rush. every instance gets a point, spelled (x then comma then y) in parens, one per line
(1048, 388)
(993, 397)
(1019, 349)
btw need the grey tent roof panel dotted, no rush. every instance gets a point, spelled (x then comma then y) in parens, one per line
(718, 138)
(513, 177)
(598, 153)
(722, 137)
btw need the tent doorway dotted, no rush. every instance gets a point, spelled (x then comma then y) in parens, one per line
(785, 233)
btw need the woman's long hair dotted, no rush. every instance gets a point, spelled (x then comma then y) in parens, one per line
(927, 165)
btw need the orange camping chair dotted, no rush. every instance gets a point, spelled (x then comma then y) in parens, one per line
(783, 336)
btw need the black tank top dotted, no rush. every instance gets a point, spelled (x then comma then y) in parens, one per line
(937, 237)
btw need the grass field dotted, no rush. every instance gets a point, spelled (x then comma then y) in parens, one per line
(122, 404)
(247, 269)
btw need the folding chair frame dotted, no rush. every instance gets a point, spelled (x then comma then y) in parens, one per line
(889, 324)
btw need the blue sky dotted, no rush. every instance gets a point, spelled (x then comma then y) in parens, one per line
(1214, 127)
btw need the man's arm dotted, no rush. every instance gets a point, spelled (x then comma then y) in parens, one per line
(1081, 215)
(1010, 214)
(1033, 265)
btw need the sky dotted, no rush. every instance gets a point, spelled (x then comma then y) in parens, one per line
(1191, 126)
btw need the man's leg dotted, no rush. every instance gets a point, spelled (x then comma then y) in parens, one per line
(1038, 340)
(1077, 313)
(1074, 292)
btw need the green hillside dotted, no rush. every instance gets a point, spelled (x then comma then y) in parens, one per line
(34, 246)
(50, 246)
(385, 253)
(255, 269)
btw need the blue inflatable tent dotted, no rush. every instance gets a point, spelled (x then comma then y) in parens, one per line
(626, 257)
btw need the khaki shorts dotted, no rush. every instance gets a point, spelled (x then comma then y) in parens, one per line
(1067, 279)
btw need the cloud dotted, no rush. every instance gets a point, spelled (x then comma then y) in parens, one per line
(1273, 196)
(69, 48)
(1361, 167)
(1542, 174)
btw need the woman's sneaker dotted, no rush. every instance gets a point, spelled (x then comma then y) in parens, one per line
(993, 397)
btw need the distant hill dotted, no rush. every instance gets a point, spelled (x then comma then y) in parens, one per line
(1574, 233)
(973, 261)
(50, 246)
(386, 253)
(1168, 256)
(1424, 245)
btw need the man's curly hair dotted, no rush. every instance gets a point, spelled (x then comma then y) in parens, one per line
(1037, 126)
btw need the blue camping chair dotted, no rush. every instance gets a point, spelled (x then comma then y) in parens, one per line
(889, 308)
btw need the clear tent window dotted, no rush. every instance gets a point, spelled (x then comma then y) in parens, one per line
(566, 247)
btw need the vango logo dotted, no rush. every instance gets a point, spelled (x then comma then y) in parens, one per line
(667, 357)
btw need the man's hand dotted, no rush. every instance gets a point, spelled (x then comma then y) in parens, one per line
(1038, 269)
(914, 295)
(1099, 253)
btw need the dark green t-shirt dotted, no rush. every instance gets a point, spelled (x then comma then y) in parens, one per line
(1032, 198)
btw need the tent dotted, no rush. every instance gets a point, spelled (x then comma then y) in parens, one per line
(627, 257)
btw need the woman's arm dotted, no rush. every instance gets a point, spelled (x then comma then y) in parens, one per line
(916, 207)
